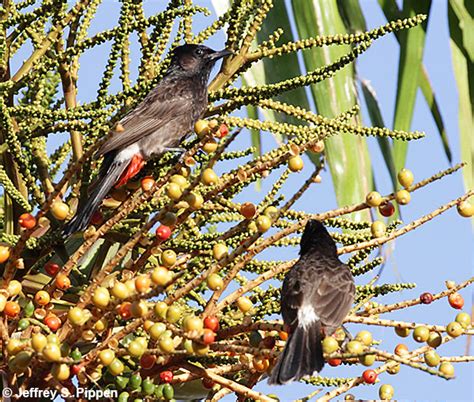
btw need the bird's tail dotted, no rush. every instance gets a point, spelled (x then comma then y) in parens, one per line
(302, 355)
(110, 173)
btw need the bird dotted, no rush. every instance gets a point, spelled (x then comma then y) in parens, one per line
(166, 115)
(317, 293)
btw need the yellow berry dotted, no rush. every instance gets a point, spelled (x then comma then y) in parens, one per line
(405, 177)
(161, 276)
(244, 304)
(201, 128)
(209, 177)
(215, 282)
(465, 209)
(101, 297)
(402, 197)
(106, 356)
(373, 199)
(219, 251)
(295, 163)
(60, 210)
(173, 191)
(378, 229)
(263, 223)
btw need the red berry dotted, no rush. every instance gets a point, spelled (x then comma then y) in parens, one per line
(212, 323)
(208, 337)
(147, 361)
(456, 300)
(97, 218)
(334, 362)
(386, 209)
(51, 268)
(269, 342)
(166, 376)
(426, 298)
(76, 368)
(53, 322)
(369, 376)
(27, 221)
(163, 232)
(223, 131)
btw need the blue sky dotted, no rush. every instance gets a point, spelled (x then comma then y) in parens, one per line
(440, 250)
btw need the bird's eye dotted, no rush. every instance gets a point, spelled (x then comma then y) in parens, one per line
(199, 52)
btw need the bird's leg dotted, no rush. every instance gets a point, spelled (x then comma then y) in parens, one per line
(347, 338)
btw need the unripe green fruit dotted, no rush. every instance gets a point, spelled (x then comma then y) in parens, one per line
(135, 381)
(263, 223)
(434, 340)
(161, 309)
(173, 191)
(51, 352)
(271, 212)
(432, 358)
(106, 356)
(168, 258)
(402, 332)
(405, 177)
(166, 344)
(38, 342)
(173, 314)
(135, 348)
(193, 323)
(454, 329)
(394, 370)
(367, 360)
(402, 197)
(447, 369)
(355, 347)
(378, 229)
(421, 334)
(215, 282)
(156, 330)
(464, 319)
(365, 337)
(330, 345)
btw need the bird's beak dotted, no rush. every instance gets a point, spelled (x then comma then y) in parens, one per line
(220, 54)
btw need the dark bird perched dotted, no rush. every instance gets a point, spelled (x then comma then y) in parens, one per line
(158, 124)
(316, 296)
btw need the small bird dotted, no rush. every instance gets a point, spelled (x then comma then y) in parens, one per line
(158, 124)
(317, 294)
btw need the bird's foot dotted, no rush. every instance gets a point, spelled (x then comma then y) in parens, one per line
(177, 150)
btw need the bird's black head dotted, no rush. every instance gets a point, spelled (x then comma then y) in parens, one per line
(196, 59)
(317, 238)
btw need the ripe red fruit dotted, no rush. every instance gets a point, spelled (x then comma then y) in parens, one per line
(97, 218)
(125, 310)
(334, 362)
(207, 383)
(269, 342)
(147, 361)
(76, 368)
(51, 268)
(27, 221)
(223, 131)
(456, 300)
(208, 337)
(53, 322)
(166, 376)
(369, 376)
(386, 209)
(212, 323)
(426, 298)
(163, 232)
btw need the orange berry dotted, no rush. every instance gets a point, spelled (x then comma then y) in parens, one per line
(248, 210)
(147, 183)
(63, 282)
(456, 300)
(4, 253)
(53, 322)
(42, 298)
(12, 309)
(27, 221)
(142, 283)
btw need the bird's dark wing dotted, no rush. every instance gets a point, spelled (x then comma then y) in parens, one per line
(323, 282)
(159, 107)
